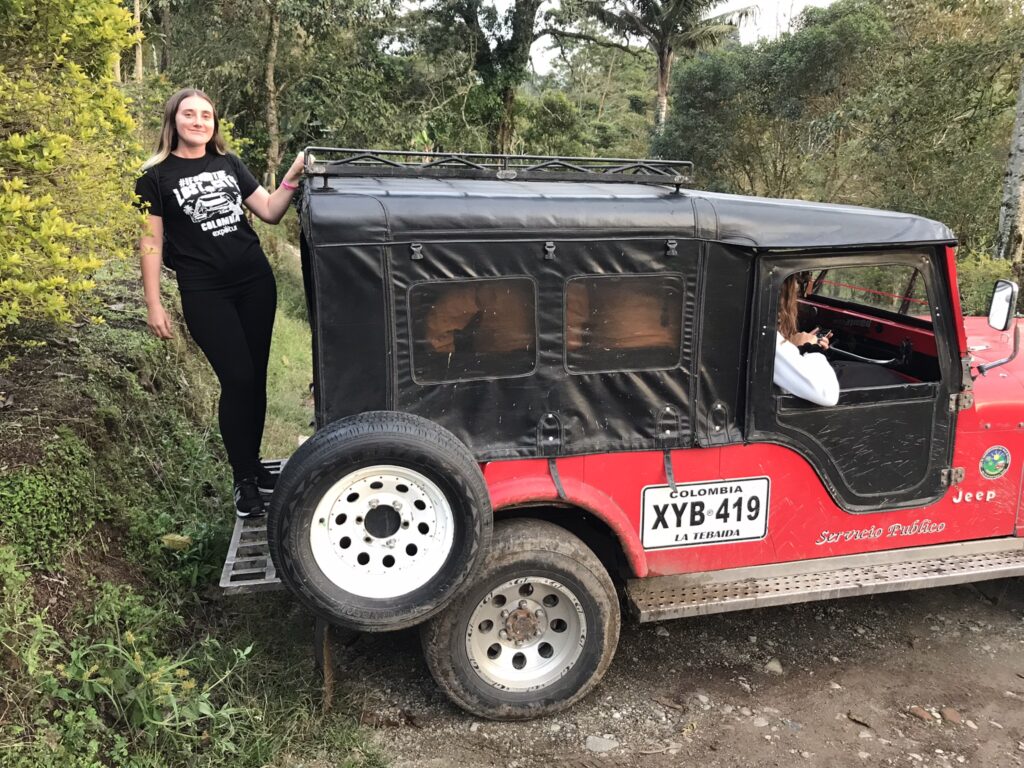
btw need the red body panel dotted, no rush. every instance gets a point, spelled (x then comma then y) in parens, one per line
(803, 520)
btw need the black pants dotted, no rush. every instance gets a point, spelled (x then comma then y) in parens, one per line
(233, 326)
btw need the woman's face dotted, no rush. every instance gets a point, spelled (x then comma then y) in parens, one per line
(194, 121)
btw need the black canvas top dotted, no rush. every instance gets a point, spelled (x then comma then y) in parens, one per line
(540, 318)
(402, 209)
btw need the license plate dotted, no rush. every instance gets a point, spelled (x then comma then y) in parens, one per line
(704, 513)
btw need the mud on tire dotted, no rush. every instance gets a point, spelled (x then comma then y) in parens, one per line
(534, 633)
(378, 520)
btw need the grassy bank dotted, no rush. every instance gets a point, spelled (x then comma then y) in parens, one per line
(114, 650)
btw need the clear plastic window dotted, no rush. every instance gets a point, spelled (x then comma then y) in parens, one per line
(893, 288)
(473, 329)
(623, 322)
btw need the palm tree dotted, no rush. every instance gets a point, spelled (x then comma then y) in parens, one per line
(667, 27)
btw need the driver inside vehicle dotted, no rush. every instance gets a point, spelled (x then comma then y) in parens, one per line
(801, 367)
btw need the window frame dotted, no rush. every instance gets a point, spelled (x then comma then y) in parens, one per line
(411, 315)
(679, 276)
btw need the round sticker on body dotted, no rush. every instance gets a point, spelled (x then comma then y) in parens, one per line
(995, 462)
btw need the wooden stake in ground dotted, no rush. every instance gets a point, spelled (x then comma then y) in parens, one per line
(1011, 212)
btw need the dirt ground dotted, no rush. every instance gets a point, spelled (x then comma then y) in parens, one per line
(928, 678)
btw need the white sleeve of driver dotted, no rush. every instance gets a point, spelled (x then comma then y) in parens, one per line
(808, 376)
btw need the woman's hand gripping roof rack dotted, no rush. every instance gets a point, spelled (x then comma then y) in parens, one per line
(327, 162)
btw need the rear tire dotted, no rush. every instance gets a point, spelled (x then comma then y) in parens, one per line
(378, 520)
(535, 632)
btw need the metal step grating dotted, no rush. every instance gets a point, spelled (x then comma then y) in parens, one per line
(248, 566)
(669, 597)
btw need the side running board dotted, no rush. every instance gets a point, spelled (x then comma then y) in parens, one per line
(698, 594)
(248, 567)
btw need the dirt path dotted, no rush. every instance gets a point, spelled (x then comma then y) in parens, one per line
(697, 692)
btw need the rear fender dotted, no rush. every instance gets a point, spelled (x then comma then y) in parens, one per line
(533, 485)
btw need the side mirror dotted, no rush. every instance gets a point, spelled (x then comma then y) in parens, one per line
(1003, 305)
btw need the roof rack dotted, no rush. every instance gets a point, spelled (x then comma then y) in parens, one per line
(332, 162)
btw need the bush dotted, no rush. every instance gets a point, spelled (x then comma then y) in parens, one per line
(67, 156)
(977, 272)
(48, 506)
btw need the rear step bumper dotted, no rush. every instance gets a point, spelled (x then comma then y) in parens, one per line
(248, 567)
(697, 594)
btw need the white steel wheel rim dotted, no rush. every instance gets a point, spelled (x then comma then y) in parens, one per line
(526, 634)
(382, 532)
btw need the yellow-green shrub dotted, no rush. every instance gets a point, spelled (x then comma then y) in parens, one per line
(977, 272)
(68, 155)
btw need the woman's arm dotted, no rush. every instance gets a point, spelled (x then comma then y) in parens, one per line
(271, 206)
(151, 255)
(808, 376)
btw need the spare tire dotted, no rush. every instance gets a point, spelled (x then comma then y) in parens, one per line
(378, 520)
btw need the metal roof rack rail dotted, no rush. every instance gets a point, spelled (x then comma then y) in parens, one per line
(334, 162)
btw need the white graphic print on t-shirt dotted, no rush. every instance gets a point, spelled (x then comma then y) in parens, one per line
(212, 200)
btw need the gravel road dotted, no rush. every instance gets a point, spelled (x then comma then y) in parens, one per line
(928, 678)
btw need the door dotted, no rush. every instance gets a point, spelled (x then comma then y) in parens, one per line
(887, 442)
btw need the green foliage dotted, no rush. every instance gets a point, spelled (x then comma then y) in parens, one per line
(904, 106)
(163, 468)
(150, 675)
(153, 700)
(108, 695)
(66, 154)
(554, 125)
(977, 272)
(594, 102)
(49, 506)
(775, 118)
(667, 28)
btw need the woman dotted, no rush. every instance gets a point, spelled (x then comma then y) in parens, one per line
(805, 375)
(193, 191)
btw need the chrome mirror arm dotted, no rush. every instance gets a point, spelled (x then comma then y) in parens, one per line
(986, 367)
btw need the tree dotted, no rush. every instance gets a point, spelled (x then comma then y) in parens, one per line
(137, 17)
(609, 89)
(499, 44)
(774, 119)
(220, 60)
(269, 83)
(668, 28)
(1011, 227)
(905, 105)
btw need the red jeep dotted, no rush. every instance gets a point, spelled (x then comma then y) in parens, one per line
(580, 354)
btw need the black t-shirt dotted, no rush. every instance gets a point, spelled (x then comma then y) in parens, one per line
(207, 240)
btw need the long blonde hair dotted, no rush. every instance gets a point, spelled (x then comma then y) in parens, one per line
(169, 130)
(788, 305)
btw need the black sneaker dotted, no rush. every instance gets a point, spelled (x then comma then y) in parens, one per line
(248, 502)
(266, 480)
